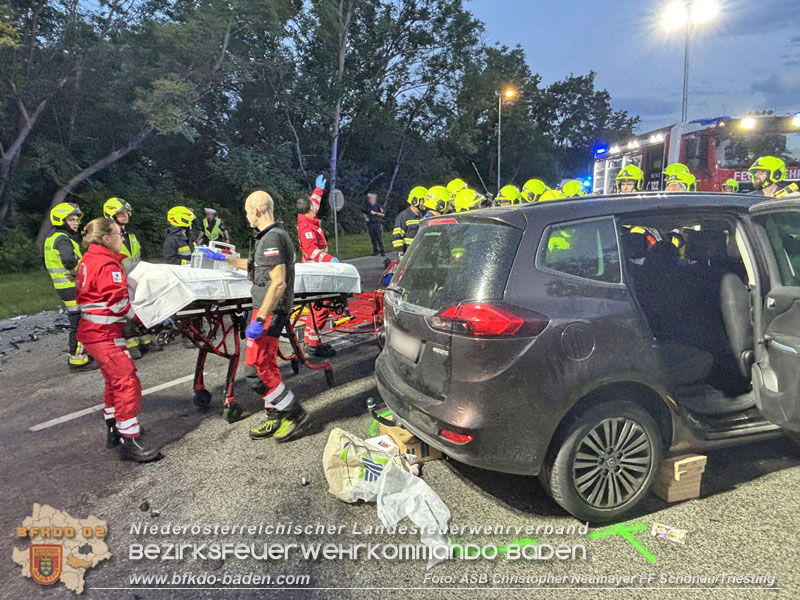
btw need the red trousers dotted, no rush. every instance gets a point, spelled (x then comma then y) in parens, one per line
(123, 395)
(262, 353)
(316, 319)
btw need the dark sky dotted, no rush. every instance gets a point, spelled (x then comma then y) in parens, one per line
(747, 59)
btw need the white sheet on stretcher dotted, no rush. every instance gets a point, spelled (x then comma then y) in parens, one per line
(159, 291)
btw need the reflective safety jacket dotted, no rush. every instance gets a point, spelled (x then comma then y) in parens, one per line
(178, 246)
(102, 294)
(215, 232)
(313, 244)
(131, 248)
(61, 256)
(406, 226)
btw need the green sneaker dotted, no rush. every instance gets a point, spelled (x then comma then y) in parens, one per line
(268, 427)
(290, 424)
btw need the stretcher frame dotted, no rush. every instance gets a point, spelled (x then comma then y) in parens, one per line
(189, 322)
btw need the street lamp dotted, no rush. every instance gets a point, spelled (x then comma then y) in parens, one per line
(509, 94)
(687, 13)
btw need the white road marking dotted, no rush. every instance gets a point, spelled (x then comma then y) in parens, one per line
(345, 341)
(99, 407)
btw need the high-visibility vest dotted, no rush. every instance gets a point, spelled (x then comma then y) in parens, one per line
(63, 280)
(132, 256)
(215, 232)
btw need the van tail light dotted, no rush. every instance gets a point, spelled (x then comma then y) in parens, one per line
(455, 438)
(481, 319)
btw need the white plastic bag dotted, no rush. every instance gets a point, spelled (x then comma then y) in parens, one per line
(401, 495)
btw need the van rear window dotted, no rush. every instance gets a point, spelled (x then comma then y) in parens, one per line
(447, 264)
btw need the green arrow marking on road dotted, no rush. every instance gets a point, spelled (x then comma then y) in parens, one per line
(627, 532)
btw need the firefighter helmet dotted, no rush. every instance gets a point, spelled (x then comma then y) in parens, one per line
(730, 183)
(774, 166)
(532, 189)
(551, 195)
(113, 206)
(456, 185)
(467, 200)
(630, 173)
(437, 198)
(417, 196)
(508, 193)
(674, 169)
(180, 216)
(688, 181)
(60, 212)
(572, 188)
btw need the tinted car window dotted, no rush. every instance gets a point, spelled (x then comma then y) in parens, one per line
(450, 263)
(586, 250)
(783, 231)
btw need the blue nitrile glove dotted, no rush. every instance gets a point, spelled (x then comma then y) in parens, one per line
(254, 330)
(334, 259)
(209, 253)
(320, 182)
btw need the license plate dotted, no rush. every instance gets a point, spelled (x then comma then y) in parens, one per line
(404, 344)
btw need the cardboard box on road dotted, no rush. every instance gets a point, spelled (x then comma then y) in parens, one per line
(410, 444)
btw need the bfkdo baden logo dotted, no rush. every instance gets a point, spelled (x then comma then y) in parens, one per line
(61, 548)
(46, 562)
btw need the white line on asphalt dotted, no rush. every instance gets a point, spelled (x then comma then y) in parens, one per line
(98, 407)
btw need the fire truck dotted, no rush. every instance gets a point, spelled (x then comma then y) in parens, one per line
(714, 150)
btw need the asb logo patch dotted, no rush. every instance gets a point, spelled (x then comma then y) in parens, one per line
(46, 562)
(309, 235)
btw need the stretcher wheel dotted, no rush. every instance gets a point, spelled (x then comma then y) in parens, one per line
(232, 412)
(202, 398)
(296, 366)
(329, 377)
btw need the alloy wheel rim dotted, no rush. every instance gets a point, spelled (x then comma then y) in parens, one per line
(612, 462)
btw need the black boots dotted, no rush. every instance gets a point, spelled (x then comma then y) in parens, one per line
(112, 436)
(321, 351)
(130, 449)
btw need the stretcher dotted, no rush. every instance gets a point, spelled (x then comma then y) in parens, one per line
(211, 308)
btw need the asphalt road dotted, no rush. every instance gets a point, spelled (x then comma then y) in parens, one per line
(745, 523)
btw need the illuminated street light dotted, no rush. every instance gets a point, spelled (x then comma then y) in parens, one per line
(687, 14)
(509, 94)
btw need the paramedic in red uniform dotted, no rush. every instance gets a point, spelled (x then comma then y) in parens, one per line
(314, 247)
(271, 269)
(102, 296)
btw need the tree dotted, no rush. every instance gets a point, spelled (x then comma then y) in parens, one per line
(576, 115)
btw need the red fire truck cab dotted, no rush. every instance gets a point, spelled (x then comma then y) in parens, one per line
(713, 149)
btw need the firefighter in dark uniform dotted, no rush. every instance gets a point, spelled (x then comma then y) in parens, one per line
(766, 174)
(406, 224)
(61, 257)
(178, 244)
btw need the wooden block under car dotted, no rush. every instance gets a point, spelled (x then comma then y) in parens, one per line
(676, 493)
(409, 444)
(682, 466)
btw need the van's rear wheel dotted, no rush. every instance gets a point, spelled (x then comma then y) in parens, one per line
(604, 463)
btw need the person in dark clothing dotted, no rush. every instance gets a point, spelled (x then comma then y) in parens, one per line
(178, 244)
(373, 215)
